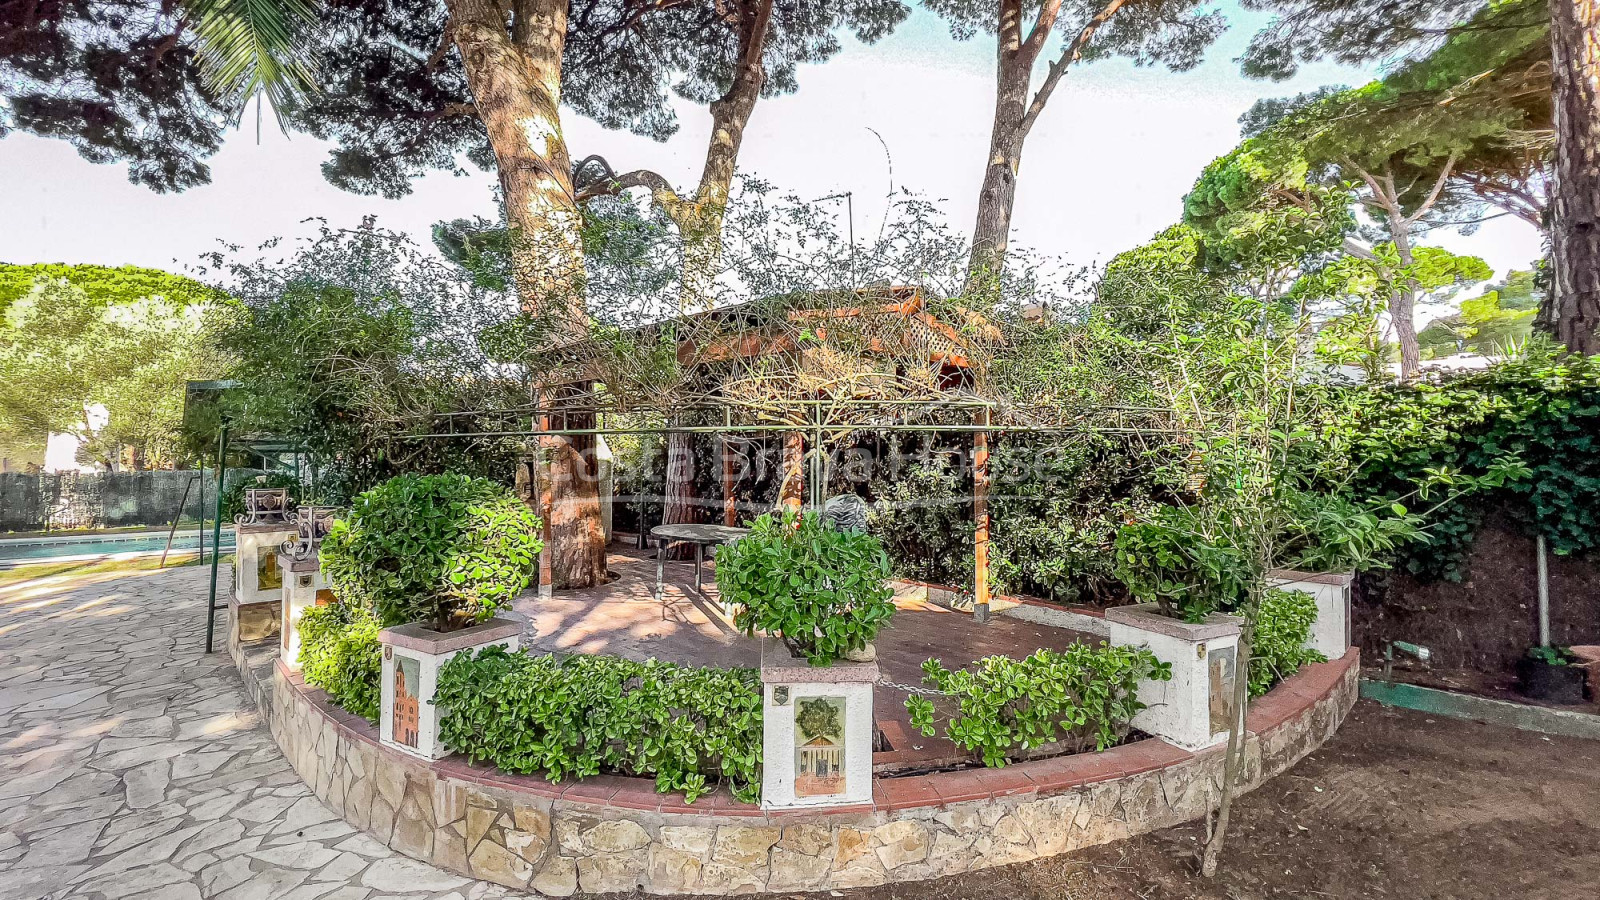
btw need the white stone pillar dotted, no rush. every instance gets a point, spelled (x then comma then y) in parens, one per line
(303, 588)
(1194, 709)
(1330, 634)
(817, 731)
(255, 607)
(408, 720)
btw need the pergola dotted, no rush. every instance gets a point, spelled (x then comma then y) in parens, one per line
(909, 372)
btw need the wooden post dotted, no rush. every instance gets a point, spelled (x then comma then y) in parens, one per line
(544, 491)
(730, 511)
(980, 516)
(791, 492)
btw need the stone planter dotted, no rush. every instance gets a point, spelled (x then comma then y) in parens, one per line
(303, 588)
(817, 731)
(1194, 709)
(412, 654)
(1330, 634)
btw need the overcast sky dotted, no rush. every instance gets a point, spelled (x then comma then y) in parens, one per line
(1105, 168)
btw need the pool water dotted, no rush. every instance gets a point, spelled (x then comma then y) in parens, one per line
(17, 551)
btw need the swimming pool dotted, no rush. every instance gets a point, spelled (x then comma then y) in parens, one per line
(20, 551)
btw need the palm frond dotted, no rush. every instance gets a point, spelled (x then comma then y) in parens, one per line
(256, 47)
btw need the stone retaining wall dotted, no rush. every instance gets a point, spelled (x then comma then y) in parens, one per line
(618, 834)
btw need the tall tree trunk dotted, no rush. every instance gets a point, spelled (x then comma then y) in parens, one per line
(515, 78)
(700, 226)
(992, 230)
(1572, 311)
(1403, 302)
(678, 506)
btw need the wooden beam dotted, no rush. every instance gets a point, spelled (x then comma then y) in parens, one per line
(730, 511)
(980, 516)
(544, 490)
(792, 490)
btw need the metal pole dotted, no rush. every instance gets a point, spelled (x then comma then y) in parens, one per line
(175, 519)
(216, 536)
(1544, 592)
(202, 480)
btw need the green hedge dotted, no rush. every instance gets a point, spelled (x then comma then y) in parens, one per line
(339, 653)
(1543, 414)
(445, 550)
(1084, 695)
(582, 715)
(1283, 625)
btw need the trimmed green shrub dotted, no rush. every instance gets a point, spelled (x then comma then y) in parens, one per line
(1278, 649)
(445, 550)
(1083, 695)
(824, 592)
(582, 715)
(1182, 563)
(339, 653)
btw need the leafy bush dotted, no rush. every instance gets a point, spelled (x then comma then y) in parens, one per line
(923, 516)
(1083, 695)
(579, 716)
(1278, 649)
(447, 550)
(823, 592)
(1545, 413)
(1057, 506)
(339, 653)
(1336, 535)
(1183, 562)
(1553, 655)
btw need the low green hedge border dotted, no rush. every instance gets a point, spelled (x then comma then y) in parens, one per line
(1283, 625)
(1084, 695)
(580, 715)
(340, 653)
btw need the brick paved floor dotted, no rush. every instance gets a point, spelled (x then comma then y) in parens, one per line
(624, 618)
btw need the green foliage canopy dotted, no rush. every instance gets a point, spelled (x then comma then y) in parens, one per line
(1526, 429)
(64, 352)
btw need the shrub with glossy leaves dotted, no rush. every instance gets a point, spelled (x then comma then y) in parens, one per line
(1084, 696)
(824, 592)
(1278, 648)
(340, 653)
(444, 550)
(1184, 562)
(583, 715)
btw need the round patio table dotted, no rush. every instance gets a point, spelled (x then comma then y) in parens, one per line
(702, 536)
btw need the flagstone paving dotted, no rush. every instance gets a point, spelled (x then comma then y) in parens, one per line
(133, 765)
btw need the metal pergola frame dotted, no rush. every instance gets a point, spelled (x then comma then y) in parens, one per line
(538, 419)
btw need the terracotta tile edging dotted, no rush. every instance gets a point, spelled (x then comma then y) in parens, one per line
(1289, 722)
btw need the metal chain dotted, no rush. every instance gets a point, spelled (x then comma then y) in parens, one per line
(913, 689)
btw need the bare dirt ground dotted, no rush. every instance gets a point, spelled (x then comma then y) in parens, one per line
(1398, 804)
